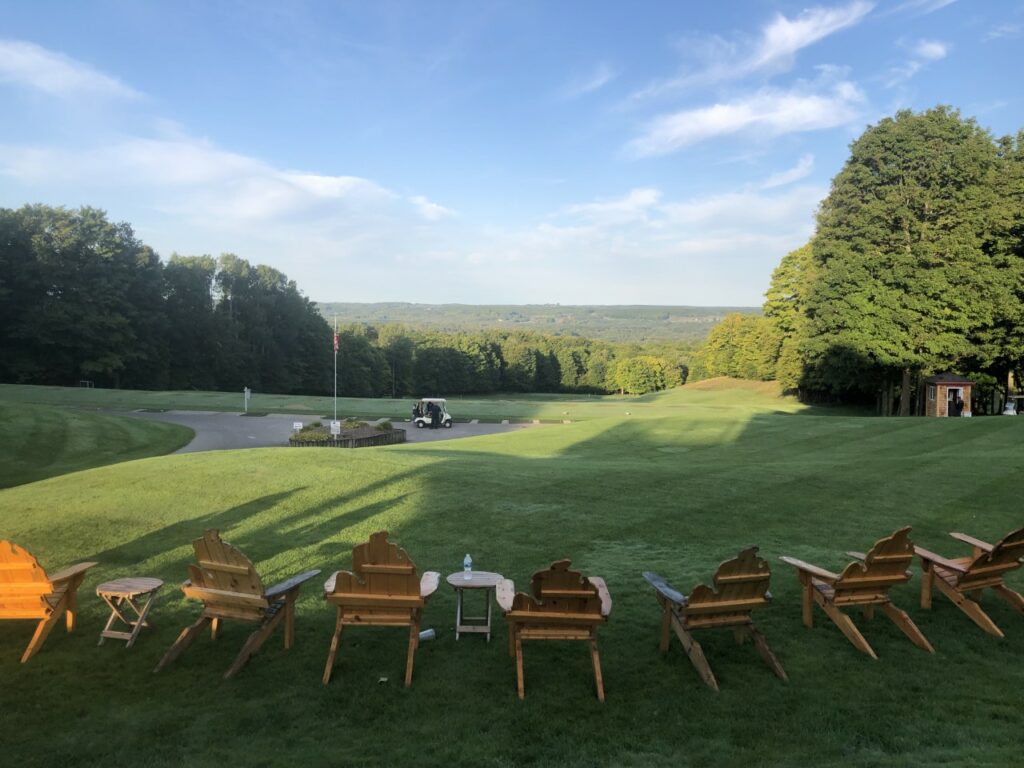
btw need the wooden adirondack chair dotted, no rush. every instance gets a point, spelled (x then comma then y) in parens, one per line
(963, 579)
(26, 592)
(382, 590)
(740, 586)
(565, 605)
(865, 583)
(227, 584)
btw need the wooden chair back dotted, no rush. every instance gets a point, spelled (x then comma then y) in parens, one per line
(379, 568)
(560, 595)
(740, 585)
(225, 580)
(884, 566)
(24, 585)
(988, 568)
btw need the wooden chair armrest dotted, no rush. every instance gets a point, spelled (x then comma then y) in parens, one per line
(857, 555)
(931, 557)
(664, 589)
(290, 584)
(984, 546)
(71, 571)
(813, 570)
(602, 590)
(428, 583)
(505, 594)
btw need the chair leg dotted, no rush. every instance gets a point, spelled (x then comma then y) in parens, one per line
(696, 655)
(520, 686)
(740, 634)
(907, 626)
(71, 611)
(410, 657)
(807, 600)
(766, 653)
(1015, 599)
(666, 622)
(969, 607)
(254, 643)
(43, 629)
(335, 642)
(214, 627)
(596, 660)
(289, 620)
(188, 634)
(847, 627)
(927, 580)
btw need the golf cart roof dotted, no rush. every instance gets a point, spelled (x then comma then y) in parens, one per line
(433, 400)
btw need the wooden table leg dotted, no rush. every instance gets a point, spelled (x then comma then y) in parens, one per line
(458, 610)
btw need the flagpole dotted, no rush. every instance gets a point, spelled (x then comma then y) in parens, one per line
(335, 367)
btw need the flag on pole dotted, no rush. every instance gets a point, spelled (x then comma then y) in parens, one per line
(335, 342)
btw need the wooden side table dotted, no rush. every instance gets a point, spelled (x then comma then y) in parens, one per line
(477, 580)
(122, 593)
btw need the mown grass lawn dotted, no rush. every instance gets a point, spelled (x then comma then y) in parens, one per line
(676, 488)
(38, 441)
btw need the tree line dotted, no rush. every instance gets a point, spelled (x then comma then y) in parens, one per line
(916, 267)
(83, 299)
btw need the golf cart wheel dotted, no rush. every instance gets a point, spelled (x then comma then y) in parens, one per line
(448, 424)
(419, 425)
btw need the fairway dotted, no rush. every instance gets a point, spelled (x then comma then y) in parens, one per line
(682, 483)
(44, 441)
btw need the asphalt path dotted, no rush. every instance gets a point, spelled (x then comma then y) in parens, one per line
(217, 431)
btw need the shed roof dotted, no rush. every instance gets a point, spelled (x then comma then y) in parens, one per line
(947, 378)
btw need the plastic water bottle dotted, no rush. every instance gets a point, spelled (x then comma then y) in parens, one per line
(467, 567)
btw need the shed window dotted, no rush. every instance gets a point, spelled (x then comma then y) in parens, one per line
(931, 392)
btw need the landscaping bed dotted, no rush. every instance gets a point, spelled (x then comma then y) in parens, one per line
(354, 434)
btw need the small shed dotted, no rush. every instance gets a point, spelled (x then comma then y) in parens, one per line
(945, 389)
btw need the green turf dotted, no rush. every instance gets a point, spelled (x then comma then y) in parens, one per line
(44, 441)
(716, 470)
(492, 407)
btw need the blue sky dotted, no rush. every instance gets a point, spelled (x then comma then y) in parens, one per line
(481, 152)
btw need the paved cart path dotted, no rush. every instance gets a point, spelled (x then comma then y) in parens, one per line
(216, 431)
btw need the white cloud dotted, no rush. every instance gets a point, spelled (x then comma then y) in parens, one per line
(35, 67)
(431, 211)
(922, 6)
(932, 50)
(629, 208)
(602, 75)
(190, 176)
(1003, 30)
(770, 111)
(799, 171)
(775, 50)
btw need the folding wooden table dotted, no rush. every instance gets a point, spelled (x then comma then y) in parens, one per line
(121, 594)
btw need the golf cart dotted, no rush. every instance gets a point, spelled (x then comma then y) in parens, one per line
(421, 413)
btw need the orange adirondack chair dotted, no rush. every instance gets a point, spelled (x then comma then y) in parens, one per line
(226, 582)
(382, 590)
(865, 583)
(740, 586)
(963, 579)
(26, 592)
(565, 605)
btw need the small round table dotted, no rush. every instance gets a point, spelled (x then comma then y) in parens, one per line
(124, 592)
(484, 580)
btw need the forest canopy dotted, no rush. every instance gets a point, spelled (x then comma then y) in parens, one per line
(83, 299)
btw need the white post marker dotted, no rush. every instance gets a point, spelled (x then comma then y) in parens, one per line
(335, 428)
(248, 393)
(297, 426)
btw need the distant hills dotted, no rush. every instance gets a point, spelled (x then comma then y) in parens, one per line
(617, 323)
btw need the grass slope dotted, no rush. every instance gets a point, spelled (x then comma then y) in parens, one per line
(725, 392)
(679, 493)
(40, 442)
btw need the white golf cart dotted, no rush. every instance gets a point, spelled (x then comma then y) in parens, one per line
(421, 413)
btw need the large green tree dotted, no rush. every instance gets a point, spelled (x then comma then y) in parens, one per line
(903, 254)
